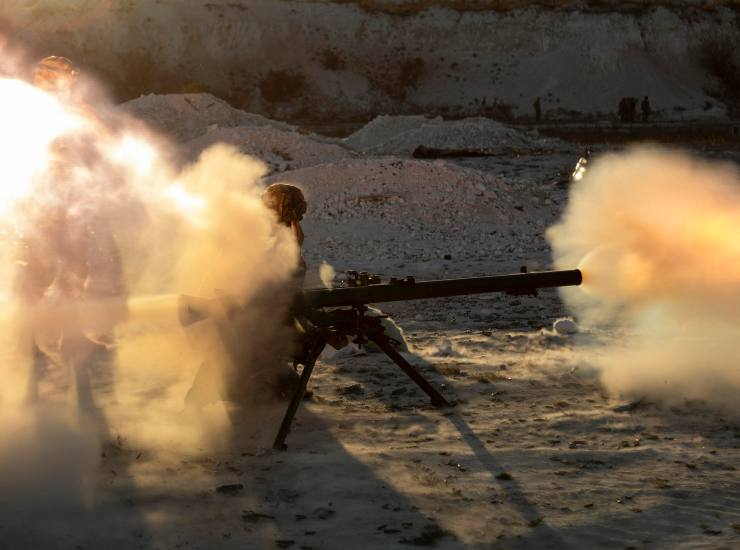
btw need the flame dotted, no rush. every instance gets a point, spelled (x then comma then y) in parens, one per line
(134, 153)
(651, 225)
(656, 232)
(32, 121)
(189, 204)
(94, 217)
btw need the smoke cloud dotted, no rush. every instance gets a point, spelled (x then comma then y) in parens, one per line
(327, 273)
(655, 233)
(101, 232)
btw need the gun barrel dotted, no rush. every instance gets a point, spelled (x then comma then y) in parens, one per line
(373, 294)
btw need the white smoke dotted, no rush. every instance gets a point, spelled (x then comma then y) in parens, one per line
(655, 233)
(327, 273)
(100, 232)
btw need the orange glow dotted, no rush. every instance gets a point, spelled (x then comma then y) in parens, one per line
(135, 153)
(653, 225)
(190, 205)
(31, 122)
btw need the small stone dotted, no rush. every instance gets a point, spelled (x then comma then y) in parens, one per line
(565, 326)
(323, 513)
(352, 389)
(231, 489)
(253, 517)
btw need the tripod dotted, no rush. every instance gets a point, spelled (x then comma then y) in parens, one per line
(317, 327)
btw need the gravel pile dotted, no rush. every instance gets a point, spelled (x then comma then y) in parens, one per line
(402, 192)
(380, 213)
(402, 135)
(187, 116)
(373, 212)
(280, 149)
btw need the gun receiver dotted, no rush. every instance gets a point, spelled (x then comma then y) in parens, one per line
(317, 325)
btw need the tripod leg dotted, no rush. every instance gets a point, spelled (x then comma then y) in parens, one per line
(382, 342)
(279, 444)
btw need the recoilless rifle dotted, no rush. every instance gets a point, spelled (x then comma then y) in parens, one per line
(323, 315)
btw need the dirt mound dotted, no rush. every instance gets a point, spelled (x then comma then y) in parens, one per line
(280, 149)
(402, 135)
(403, 192)
(187, 116)
(377, 213)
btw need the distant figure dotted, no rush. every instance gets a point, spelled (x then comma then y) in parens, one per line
(627, 109)
(623, 110)
(645, 108)
(537, 110)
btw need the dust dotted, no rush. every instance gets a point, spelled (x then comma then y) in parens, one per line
(101, 233)
(327, 273)
(655, 233)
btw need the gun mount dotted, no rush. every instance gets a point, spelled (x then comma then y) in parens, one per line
(322, 316)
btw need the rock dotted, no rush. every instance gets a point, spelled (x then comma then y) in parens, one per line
(444, 350)
(565, 326)
(232, 489)
(322, 513)
(430, 534)
(253, 517)
(352, 389)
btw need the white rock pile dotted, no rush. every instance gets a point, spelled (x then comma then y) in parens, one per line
(404, 193)
(401, 135)
(280, 149)
(186, 116)
(368, 200)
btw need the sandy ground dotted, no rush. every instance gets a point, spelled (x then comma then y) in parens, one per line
(534, 454)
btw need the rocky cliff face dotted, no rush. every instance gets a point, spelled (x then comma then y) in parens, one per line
(352, 60)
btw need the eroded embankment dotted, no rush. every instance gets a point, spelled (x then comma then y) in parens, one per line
(352, 60)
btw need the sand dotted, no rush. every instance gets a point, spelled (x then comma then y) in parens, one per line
(534, 454)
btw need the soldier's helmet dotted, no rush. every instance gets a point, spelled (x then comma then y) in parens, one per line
(286, 201)
(55, 74)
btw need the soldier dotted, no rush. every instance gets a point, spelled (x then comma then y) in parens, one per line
(259, 366)
(69, 279)
(624, 109)
(537, 110)
(55, 75)
(289, 205)
(645, 108)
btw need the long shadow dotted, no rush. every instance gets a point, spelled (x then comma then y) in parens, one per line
(695, 519)
(544, 536)
(318, 495)
(67, 502)
(312, 447)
